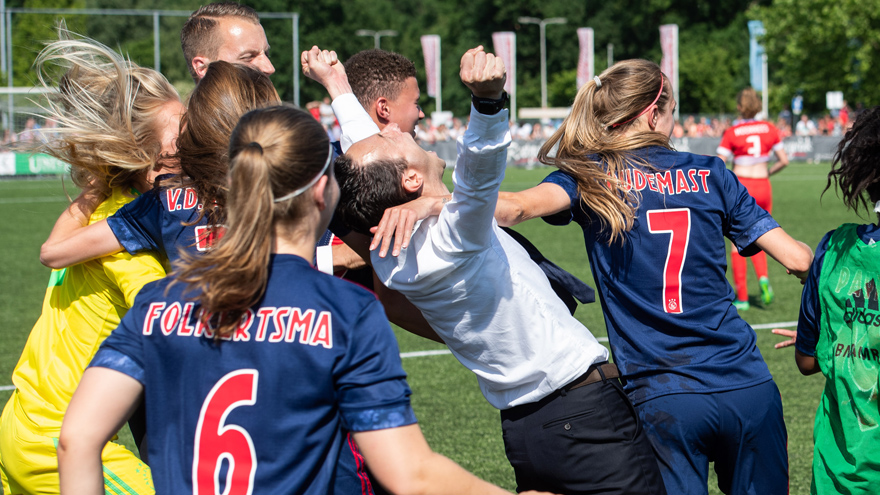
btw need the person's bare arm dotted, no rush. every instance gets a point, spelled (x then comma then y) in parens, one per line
(512, 208)
(794, 255)
(345, 258)
(808, 365)
(102, 403)
(781, 161)
(323, 66)
(404, 464)
(539, 201)
(73, 240)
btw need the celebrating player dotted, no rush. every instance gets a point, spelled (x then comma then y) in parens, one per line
(173, 218)
(749, 142)
(115, 122)
(837, 329)
(263, 374)
(654, 222)
(567, 423)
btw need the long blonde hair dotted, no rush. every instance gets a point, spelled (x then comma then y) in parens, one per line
(106, 108)
(274, 151)
(593, 146)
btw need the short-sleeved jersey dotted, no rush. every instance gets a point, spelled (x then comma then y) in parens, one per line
(158, 221)
(83, 304)
(750, 142)
(310, 359)
(666, 301)
(840, 326)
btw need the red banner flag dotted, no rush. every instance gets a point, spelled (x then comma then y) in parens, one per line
(669, 62)
(586, 63)
(505, 48)
(431, 50)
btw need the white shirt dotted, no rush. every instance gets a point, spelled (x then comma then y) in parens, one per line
(354, 121)
(480, 291)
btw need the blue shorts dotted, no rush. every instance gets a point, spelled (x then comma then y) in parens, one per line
(741, 431)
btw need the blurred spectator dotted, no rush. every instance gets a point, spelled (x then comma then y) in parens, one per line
(784, 126)
(30, 132)
(314, 108)
(805, 127)
(678, 131)
(326, 113)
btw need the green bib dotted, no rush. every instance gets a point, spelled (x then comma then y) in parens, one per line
(846, 458)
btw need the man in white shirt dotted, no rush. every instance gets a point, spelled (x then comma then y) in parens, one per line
(568, 427)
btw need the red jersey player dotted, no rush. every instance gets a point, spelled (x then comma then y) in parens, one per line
(750, 143)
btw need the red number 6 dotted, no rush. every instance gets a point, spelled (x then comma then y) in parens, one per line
(216, 441)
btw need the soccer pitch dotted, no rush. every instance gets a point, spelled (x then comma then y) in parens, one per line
(455, 418)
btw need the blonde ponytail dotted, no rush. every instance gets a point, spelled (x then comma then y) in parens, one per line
(593, 147)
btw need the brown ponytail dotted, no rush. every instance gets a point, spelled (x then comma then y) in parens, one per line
(274, 151)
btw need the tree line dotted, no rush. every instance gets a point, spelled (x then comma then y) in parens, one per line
(813, 46)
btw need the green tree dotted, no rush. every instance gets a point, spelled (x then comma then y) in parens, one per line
(31, 31)
(815, 46)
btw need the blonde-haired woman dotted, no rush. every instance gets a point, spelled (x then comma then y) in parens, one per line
(116, 123)
(654, 223)
(750, 142)
(266, 373)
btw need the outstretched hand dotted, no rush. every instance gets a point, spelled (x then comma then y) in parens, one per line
(324, 67)
(483, 73)
(791, 334)
(398, 222)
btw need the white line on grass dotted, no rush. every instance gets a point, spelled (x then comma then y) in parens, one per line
(45, 199)
(443, 352)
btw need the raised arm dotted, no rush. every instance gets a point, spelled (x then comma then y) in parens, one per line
(325, 68)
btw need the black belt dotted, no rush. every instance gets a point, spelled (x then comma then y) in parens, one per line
(595, 374)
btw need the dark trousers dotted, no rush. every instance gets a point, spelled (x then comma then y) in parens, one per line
(584, 441)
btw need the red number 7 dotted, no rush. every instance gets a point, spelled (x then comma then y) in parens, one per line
(678, 223)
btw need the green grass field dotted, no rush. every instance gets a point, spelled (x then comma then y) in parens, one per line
(457, 421)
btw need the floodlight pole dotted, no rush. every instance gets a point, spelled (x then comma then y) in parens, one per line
(542, 24)
(157, 63)
(375, 34)
(765, 84)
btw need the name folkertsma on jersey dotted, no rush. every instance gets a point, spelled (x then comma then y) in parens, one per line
(269, 324)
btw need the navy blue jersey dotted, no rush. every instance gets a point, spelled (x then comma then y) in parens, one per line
(309, 361)
(667, 303)
(808, 321)
(156, 221)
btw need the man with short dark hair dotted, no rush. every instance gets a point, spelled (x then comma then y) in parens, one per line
(568, 426)
(385, 84)
(224, 31)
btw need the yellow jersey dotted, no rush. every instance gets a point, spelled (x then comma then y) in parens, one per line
(83, 304)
